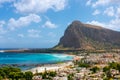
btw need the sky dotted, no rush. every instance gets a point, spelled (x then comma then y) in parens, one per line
(41, 23)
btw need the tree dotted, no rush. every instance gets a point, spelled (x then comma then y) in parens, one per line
(28, 75)
(113, 65)
(70, 77)
(118, 67)
(44, 75)
(95, 69)
(109, 75)
(9, 69)
(21, 74)
(52, 73)
(1, 78)
(2, 73)
(18, 75)
(81, 64)
(106, 69)
(11, 75)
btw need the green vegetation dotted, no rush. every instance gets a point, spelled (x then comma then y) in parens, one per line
(13, 73)
(95, 69)
(28, 75)
(47, 74)
(114, 65)
(70, 77)
(107, 70)
(81, 64)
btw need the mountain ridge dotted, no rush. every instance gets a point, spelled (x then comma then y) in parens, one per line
(86, 36)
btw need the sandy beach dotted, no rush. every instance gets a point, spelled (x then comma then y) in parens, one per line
(53, 67)
(50, 67)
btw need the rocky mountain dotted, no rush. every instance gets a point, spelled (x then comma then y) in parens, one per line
(85, 36)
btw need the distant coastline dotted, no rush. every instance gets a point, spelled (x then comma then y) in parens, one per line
(37, 50)
(52, 50)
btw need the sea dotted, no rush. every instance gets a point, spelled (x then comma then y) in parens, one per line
(29, 60)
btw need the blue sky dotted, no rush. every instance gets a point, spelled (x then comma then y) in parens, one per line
(41, 23)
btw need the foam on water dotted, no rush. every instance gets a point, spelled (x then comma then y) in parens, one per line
(1, 51)
(60, 56)
(32, 58)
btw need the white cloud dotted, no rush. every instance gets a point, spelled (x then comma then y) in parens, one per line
(100, 2)
(5, 1)
(113, 24)
(88, 2)
(21, 35)
(2, 23)
(2, 30)
(49, 24)
(34, 33)
(23, 21)
(109, 11)
(118, 13)
(96, 23)
(104, 2)
(111, 8)
(39, 6)
(96, 12)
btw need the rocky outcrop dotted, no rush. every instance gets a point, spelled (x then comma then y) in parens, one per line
(85, 36)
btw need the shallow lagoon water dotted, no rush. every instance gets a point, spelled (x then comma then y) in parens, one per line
(32, 58)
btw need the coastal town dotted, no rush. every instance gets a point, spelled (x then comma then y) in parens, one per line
(92, 66)
(83, 66)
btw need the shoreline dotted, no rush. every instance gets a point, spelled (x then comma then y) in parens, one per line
(53, 66)
(50, 67)
(35, 65)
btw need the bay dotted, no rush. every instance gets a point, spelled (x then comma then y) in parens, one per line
(32, 59)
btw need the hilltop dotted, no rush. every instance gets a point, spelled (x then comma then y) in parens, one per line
(79, 35)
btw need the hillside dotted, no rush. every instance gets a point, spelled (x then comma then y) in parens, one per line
(85, 36)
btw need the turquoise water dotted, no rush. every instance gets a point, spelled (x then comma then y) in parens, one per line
(32, 58)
